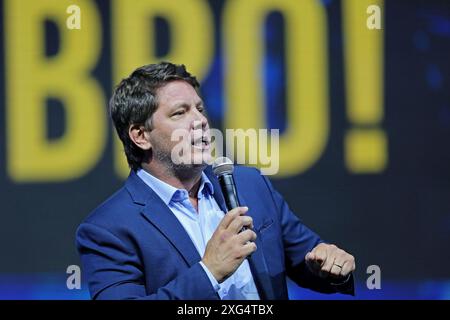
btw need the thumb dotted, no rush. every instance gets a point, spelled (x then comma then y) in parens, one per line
(311, 263)
(309, 257)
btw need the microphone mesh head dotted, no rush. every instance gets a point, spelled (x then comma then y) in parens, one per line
(222, 165)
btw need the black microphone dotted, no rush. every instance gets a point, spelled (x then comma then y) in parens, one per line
(223, 169)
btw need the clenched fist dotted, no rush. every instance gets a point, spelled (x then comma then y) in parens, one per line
(328, 261)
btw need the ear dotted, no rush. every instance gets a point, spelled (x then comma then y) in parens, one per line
(139, 136)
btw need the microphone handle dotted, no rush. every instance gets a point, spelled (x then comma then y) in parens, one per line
(226, 182)
(228, 187)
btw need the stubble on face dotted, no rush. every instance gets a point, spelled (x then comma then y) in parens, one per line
(165, 121)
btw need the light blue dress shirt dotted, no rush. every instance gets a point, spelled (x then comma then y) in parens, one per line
(200, 227)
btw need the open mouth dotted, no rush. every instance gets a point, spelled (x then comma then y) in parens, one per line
(201, 143)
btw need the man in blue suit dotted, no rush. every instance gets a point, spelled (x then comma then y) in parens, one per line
(165, 234)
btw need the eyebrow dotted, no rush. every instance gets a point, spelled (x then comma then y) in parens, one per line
(185, 105)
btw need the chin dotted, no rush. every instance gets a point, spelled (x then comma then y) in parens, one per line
(201, 158)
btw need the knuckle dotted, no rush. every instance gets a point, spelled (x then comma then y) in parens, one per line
(224, 235)
(235, 212)
(243, 252)
(242, 210)
(348, 257)
(335, 272)
(250, 236)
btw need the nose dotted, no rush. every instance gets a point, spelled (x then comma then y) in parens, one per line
(200, 121)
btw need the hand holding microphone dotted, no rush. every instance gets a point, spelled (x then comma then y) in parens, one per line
(232, 241)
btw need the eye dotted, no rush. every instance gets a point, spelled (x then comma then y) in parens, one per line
(201, 109)
(178, 113)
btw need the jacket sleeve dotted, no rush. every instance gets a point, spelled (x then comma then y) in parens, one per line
(298, 240)
(114, 271)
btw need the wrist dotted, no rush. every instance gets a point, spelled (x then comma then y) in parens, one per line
(219, 278)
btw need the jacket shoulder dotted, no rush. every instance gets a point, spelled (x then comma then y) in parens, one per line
(245, 171)
(117, 208)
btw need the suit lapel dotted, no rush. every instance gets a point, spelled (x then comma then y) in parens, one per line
(159, 215)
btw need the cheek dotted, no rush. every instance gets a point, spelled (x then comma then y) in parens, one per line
(168, 137)
(170, 132)
(160, 138)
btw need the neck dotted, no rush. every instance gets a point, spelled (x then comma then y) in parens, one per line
(180, 177)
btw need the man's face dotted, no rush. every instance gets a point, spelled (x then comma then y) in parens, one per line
(179, 123)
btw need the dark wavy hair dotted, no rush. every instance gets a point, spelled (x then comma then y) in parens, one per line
(134, 101)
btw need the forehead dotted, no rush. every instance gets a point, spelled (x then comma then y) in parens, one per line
(175, 92)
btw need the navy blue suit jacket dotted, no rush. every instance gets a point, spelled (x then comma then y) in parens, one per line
(132, 246)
